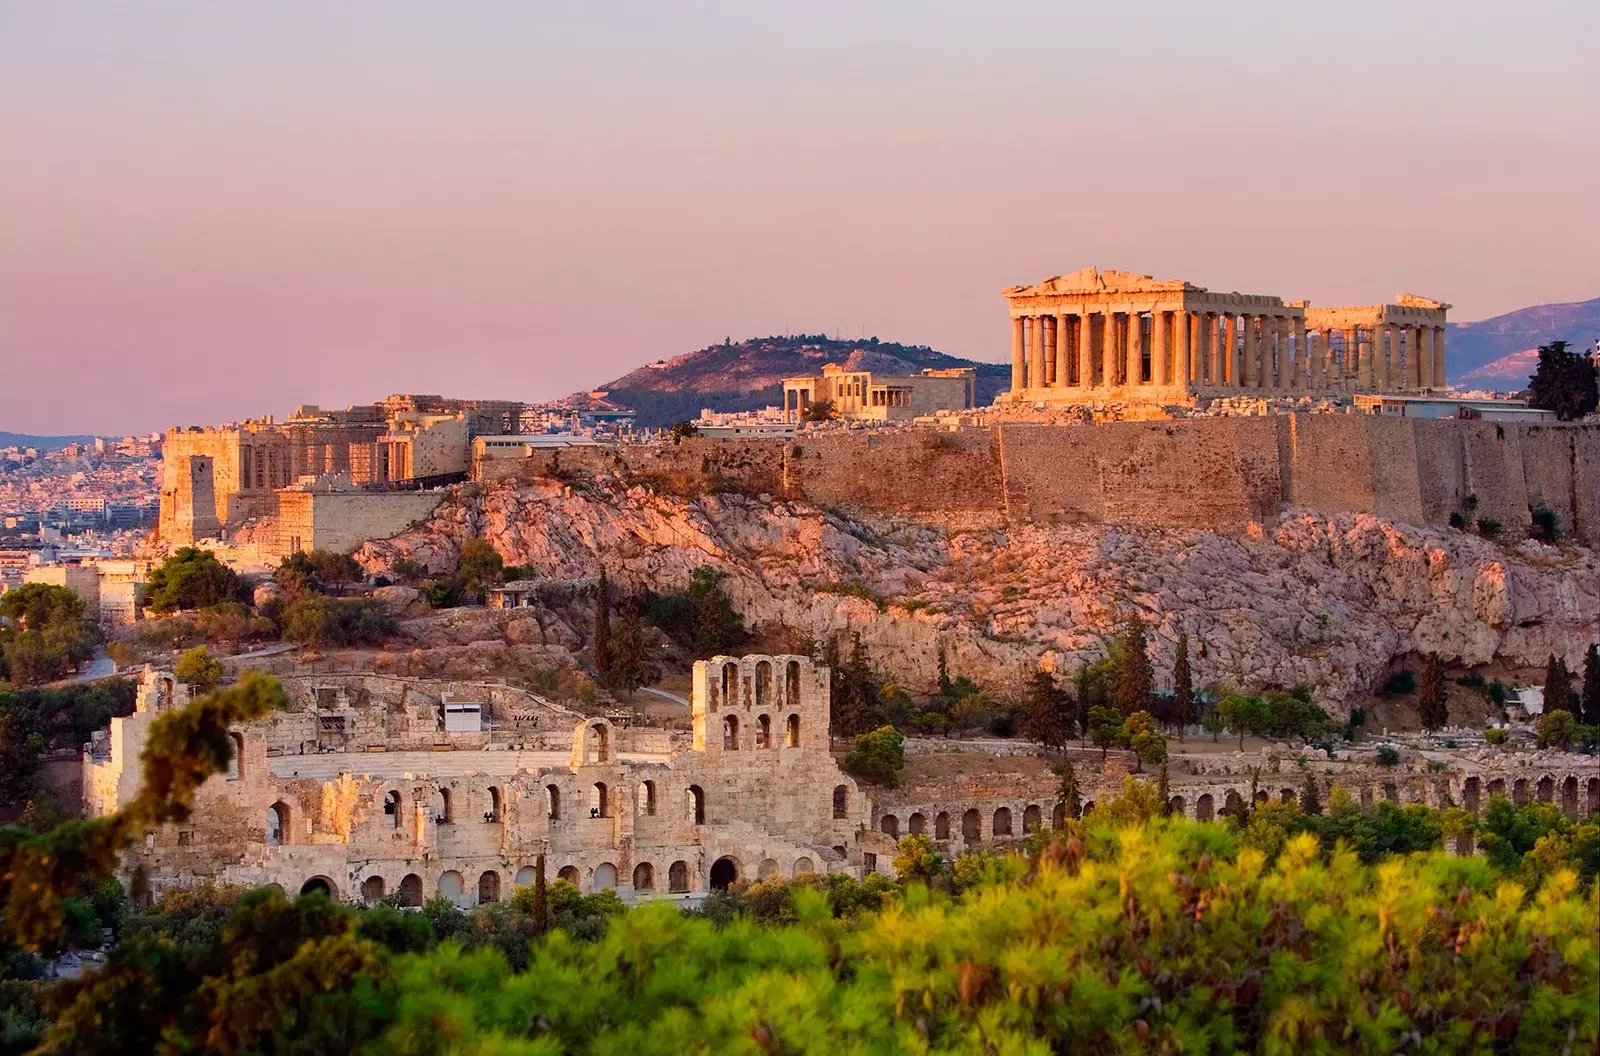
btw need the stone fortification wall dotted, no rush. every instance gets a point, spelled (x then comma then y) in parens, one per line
(342, 521)
(1201, 472)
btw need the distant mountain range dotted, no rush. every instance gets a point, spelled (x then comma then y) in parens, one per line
(747, 375)
(1501, 353)
(43, 443)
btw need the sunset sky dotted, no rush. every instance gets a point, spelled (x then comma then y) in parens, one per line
(217, 209)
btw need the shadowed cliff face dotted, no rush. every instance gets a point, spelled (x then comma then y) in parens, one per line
(1306, 599)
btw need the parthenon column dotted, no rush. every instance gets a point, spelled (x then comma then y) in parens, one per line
(1269, 351)
(1086, 349)
(1247, 368)
(1230, 360)
(1302, 358)
(1394, 377)
(1368, 376)
(1158, 346)
(1438, 358)
(1063, 353)
(1016, 353)
(1215, 351)
(1425, 359)
(1180, 351)
(1036, 352)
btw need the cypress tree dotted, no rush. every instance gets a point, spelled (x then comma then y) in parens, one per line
(1133, 681)
(1164, 790)
(1591, 686)
(1310, 801)
(1182, 686)
(1070, 795)
(541, 898)
(1558, 695)
(602, 628)
(1432, 706)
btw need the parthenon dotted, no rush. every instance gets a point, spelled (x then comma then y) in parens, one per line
(1095, 336)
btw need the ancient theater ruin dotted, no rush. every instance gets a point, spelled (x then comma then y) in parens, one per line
(1094, 336)
(363, 790)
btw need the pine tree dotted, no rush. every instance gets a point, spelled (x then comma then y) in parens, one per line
(602, 628)
(632, 656)
(1310, 802)
(1558, 694)
(1133, 682)
(1182, 686)
(854, 704)
(1432, 706)
(947, 688)
(1164, 789)
(1591, 686)
(1047, 714)
(1070, 795)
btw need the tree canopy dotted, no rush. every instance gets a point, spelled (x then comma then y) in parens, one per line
(1564, 382)
(191, 579)
(46, 632)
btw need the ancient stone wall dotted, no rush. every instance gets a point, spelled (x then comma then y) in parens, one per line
(342, 521)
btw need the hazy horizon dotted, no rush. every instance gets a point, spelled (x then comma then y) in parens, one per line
(214, 211)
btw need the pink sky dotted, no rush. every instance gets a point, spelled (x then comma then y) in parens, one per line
(215, 210)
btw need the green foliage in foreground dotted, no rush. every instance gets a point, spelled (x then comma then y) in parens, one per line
(1155, 938)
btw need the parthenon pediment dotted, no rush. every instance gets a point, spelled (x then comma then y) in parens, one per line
(1411, 300)
(1093, 280)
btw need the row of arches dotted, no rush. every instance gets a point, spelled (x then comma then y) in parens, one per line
(729, 689)
(602, 802)
(732, 741)
(1003, 822)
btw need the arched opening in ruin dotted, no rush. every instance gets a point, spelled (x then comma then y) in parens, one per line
(730, 733)
(1058, 816)
(496, 806)
(597, 743)
(1469, 793)
(1088, 806)
(320, 885)
(411, 891)
(605, 876)
(1593, 795)
(1286, 795)
(646, 800)
(803, 865)
(526, 876)
(570, 874)
(1175, 806)
(1497, 787)
(278, 824)
(763, 731)
(841, 801)
(1205, 807)
(1261, 795)
(599, 801)
(1233, 804)
(1519, 791)
(1032, 817)
(1366, 796)
(644, 877)
(489, 887)
(889, 825)
(1002, 821)
(678, 877)
(1569, 796)
(697, 805)
(971, 826)
(450, 885)
(1441, 795)
(767, 869)
(1391, 793)
(441, 807)
(791, 732)
(1547, 789)
(391, 808)
(724, 874)
(763, 683)
(236, 756)
(730, 684)
(552, 801)
(372, 889)
(164, 693)
(791, 682)
(941, 825)
(917, 824)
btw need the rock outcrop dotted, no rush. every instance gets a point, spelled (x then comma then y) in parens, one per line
(1327, 602)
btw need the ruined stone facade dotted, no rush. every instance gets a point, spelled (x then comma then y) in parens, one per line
(215, 479)
(862, 395)
(756, 794)
(1097, 336)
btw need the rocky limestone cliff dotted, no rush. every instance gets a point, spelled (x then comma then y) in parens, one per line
(1327, 602)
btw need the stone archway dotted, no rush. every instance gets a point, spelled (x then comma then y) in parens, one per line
(724, 874)
(322, 885)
